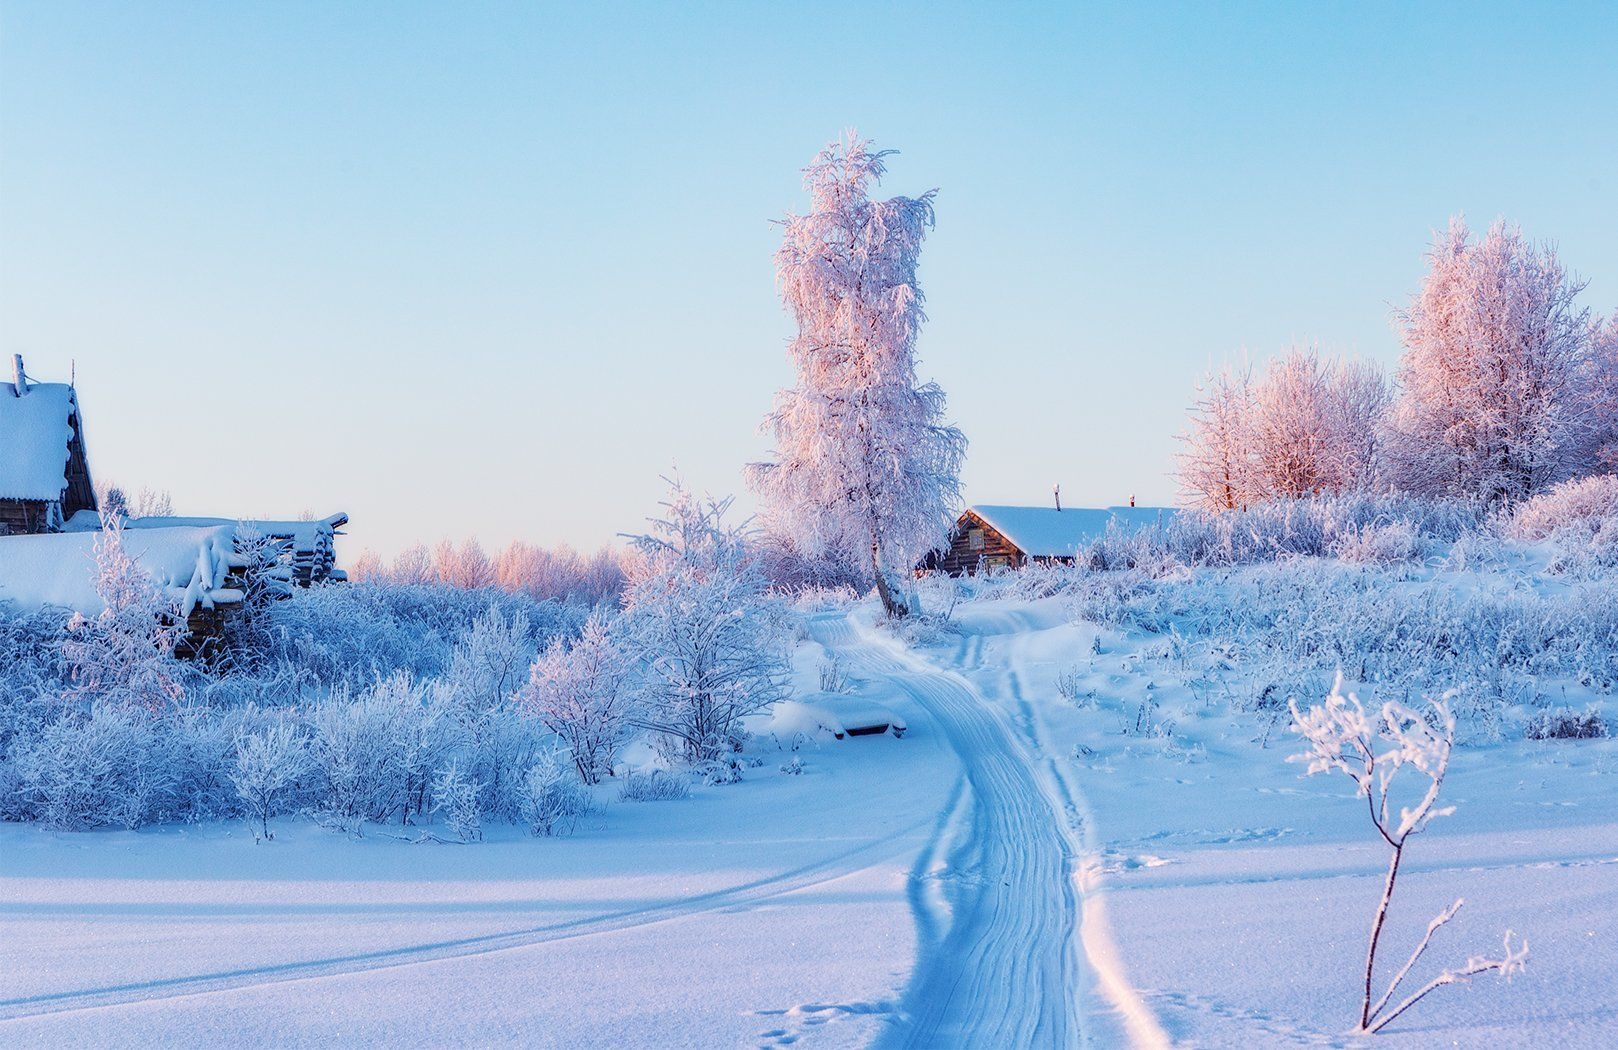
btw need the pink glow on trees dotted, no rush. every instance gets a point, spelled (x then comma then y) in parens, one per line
(1601, 398)
(865, 467)
(1306, 427)
(1494, 350)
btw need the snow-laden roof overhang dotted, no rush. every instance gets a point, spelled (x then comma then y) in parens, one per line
(1045, 532)
(35, 430)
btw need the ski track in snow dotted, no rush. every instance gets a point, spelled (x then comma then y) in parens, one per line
(829, 869)
(1003, 966)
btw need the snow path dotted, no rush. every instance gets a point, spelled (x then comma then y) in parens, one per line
(1012, 862)
(830, 869)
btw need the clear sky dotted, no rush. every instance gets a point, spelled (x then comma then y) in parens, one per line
(491, 269)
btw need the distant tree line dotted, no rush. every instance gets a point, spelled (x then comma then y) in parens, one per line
(1507, 386)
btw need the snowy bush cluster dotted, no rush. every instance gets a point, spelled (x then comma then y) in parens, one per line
(1276, 599)
(392, 703)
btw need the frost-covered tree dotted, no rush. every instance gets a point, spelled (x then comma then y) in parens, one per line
(126, 651)
(581, 692)
(1307, 426)
(465, 566)
(1494, 349)
(865, 465)
(1600, 394)
(1371, 751)
(1313, 425)
(699, 621)
(1215, 462)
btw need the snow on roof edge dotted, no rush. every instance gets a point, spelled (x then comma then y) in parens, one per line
(1045, 532)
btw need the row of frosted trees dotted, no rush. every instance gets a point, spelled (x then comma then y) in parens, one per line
(1507, 386)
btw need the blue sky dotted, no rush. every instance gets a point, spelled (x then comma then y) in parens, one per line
(491, 269)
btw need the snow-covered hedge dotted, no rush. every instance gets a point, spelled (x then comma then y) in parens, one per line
(348, 702)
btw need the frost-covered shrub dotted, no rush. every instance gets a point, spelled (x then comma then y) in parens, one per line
(918, 629)
(1120, 599)
(354, 634)
(1566, 724)
(107, 767)
(1579, 518)
(1372, 749)
(1580, 505)
(720, 771)
(654, 786)
(1070, 687)
(550, 796)
(488, 664)
(1306, 527)
(375, 751)
(124, 653)
(1384, 543)
(833, 677)
(456, 798)
(703, 628)
(499, 747)
(271, 763)
(582, 694)
(1286, 628)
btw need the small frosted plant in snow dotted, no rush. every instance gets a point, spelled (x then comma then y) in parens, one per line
(1371, 750)
(793, 768)
(833, 678)
(551, 796)
(1070, 686)
(270, 763)
(456, 798)
(654, 786)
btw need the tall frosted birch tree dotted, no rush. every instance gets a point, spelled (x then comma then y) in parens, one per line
(865, 467)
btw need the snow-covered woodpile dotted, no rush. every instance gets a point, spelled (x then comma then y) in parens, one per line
(191, 566)
(307, 548)
(44, 474)
(990, 536)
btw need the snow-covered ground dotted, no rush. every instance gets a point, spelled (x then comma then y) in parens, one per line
(1018, 870)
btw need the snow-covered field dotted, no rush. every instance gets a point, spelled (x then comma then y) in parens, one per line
(1018, 870)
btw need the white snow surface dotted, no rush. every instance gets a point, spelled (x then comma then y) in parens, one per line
(1045, 532)
(58, 570)
(34, 435)
(1016, 871)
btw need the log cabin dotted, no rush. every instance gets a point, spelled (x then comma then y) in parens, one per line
(989, 536)
(44, 471)
(50, 520)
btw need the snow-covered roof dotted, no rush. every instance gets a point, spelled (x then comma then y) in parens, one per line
(58, 570)
(1045, 532)
(34, 435)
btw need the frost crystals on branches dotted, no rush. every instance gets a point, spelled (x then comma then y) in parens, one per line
(1371, 751)
(865, 467)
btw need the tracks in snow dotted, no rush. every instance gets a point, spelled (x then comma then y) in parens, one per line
(1002, 968)
(1004, 957)
(826, 870)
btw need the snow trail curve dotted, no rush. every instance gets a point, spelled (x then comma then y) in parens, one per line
(1007, 971)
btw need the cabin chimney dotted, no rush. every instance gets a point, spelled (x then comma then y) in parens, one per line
(18, 378)
(1056, 491)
